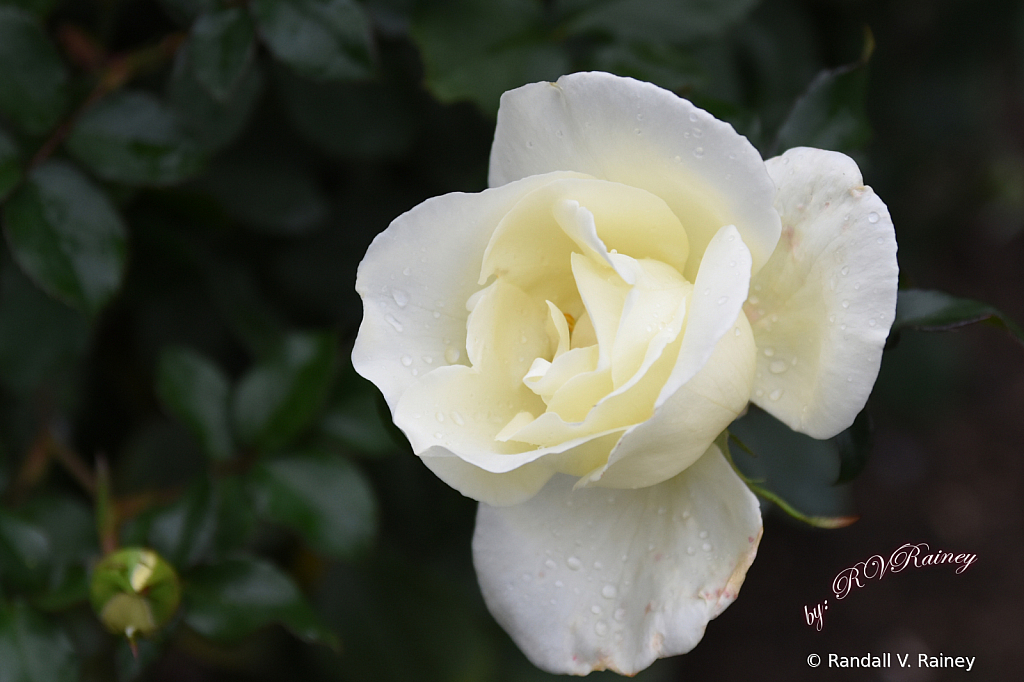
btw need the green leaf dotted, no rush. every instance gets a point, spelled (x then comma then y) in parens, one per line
(831, 114)
(854, 447)
(32, 649)
(358, 418)
(24, 550)
(233, 599)
(325, 498)
(349, 120)
(67, 236)
(222, 45)
(209, 521)
(10, 165)
(675, 21)
(70, 529)
(279, 398)
(936, 311)
(476, 51)
(321, 39)
(271, 194)
(212, 123)
(33, 80)
(791, 466)
(134, 138)
(41, 340)
(195, 391)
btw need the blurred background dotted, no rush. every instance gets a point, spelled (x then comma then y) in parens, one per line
(187, 187)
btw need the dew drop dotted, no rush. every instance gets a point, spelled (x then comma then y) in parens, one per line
(706, 546)
(451, 355)
(736, 331)
(758, 393)
(596, 610)
(832, 319)
(406, 360)
(678, 159)
(691, 551)
(846, 304)
(559, 583)
(457, 418)
(601, 628)
(723, 300)
(619, 615)
(650, 547)
(609, 591)
(438, 435)
(769, 351)
(872, 217)
(401, 298)
(598, 565)
(573, 563)
(872, 322)
(703, 534)
(407, 272)
(550, 563)
(693, 118)
(393, 322)
(845, 270)
(776, 394)
(427, 359)
(778, 367)
(436, 314)
(439, 416)
(699, 152)
(843, 327)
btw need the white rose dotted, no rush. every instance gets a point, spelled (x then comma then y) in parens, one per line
(566, 346)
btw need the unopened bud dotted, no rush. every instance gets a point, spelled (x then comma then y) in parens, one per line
(134, 591)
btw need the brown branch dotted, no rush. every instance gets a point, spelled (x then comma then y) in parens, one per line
(119, 70)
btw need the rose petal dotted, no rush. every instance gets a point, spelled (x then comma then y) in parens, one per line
(415, 280)
(640, 135)
(596, 579)
(685, 424)
(718, 294)
(822, 307)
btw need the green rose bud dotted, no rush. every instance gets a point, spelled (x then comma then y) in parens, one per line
(134, 591)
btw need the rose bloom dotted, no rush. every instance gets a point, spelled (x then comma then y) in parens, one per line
(566, 346)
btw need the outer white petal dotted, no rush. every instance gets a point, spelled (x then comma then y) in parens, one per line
(638, 134)
(613, 579)
(822, 307)
(415, 280)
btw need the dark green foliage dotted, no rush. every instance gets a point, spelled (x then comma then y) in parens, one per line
(67, 236)
(186, 189)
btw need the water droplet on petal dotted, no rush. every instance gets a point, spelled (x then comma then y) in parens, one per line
(559, 583)
(691, 551)
(573, 563)
(609, 591)
(872, 322)
(451, 355)
(406, 360)
(846, 304)
(601, 628)
(872, 217)
(427, 359)
(596, 610)
(457, 418)
(619, 615)
(706, 546)
(598, 565)
(769, 351)
(699, 152)
(778, 367)
(845, 270)
(551, 564)
(776, 394)
(393, 322)
(401, 298)
(407, 272)
(723, 300)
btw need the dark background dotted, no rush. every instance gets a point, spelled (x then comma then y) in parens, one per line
(258, 237)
